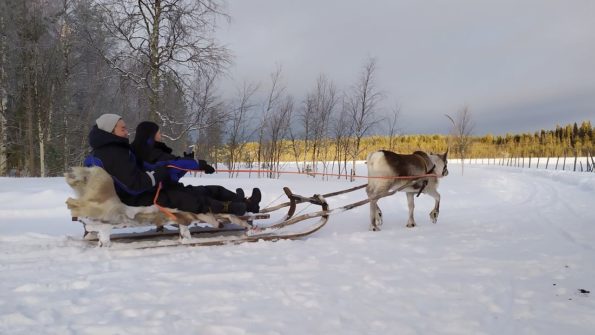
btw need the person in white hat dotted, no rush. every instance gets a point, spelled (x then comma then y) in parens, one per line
(112, 123)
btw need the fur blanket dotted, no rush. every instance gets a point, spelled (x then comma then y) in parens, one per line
(96, 198)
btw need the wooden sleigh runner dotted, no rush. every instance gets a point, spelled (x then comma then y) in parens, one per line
(101, 212)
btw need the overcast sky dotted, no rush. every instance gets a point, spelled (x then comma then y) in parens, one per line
(520, 65)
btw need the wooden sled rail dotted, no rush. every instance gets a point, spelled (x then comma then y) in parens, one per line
(101, 231)
(295, 200)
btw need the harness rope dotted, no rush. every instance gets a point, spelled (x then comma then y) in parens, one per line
(314, 173)
(173, 217)
(164, 210)
(274, 200)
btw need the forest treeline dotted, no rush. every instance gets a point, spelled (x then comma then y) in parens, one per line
(570, 140)
(65, 62)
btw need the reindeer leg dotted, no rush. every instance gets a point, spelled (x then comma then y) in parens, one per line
(434, 213)
(379, 221)
(411, 204)
(375, 216)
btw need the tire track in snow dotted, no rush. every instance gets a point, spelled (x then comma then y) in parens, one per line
(541, 202)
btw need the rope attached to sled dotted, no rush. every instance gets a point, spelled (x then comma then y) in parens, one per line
(163, 209)
(314, 173)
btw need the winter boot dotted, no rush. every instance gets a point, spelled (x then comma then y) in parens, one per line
(253, 203)
(240, 195)
(227, 207)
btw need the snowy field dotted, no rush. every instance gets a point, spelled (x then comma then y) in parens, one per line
(513, 252)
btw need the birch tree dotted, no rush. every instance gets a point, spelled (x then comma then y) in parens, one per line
(237, 132)
(341, 133)
(306, 119)
(173, 37)
(324, 100)
(362, 105)
(204, 100)
(273, 101)
(462, 127)
(65, 37)
(393, 128)
(277, 126)
(3, 95)
(30, 19)
(210, 137)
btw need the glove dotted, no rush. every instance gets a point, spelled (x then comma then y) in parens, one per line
(189, 155)
(202, 165)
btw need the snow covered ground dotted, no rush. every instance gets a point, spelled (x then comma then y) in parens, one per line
(510, 254)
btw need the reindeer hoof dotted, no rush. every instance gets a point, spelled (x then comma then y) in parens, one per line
(411, 225)
(374, 228)
(434, 216)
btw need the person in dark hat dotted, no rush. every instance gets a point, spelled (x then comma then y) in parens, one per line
(136, 185)
(149, 148)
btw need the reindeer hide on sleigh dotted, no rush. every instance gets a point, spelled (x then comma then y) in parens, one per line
(97, 201)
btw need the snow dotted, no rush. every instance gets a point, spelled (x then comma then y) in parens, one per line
(509, 255)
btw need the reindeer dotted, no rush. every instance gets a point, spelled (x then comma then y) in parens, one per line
(385, 166)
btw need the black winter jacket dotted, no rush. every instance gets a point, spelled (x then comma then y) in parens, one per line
(134, 186)
(158, 153)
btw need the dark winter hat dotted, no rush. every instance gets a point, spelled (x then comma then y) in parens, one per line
(145, 132)
(107, 122)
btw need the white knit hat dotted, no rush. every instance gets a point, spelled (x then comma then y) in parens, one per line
(107, 122)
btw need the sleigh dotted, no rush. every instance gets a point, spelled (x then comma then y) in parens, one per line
(104, 216)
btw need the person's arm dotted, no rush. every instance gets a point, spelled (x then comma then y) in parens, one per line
(123, 167)
(202, 164)
(161, 152)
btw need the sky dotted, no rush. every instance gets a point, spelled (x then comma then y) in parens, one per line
(518, 65)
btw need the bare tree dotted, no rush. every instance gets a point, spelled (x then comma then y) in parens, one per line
(237, 133)
(3, 97)
(315, 117)
(91, 84)
(462, 127)
(65, 38)
(276, 131)
(53, 83)
(272, 102)
(393, 129)
(325, 100)
(307, 119)
(37, 60)
(341, 133)
(195, 114)
(171, 37)
(362, 107)
(210, 137)
(297, 146)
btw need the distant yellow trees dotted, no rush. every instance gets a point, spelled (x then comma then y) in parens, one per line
(569, 140)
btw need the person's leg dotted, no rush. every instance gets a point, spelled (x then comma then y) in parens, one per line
(184, 200)
(217, 192)
(230, 207)
(221, 194)
(197, 199)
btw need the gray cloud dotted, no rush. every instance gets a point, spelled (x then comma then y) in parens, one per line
(520, 65)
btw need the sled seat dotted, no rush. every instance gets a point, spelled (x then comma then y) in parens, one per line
(100, 210)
